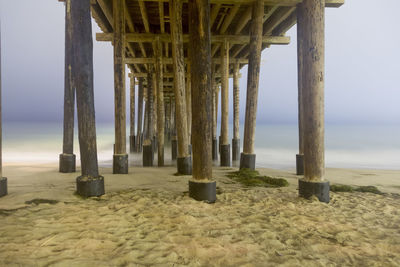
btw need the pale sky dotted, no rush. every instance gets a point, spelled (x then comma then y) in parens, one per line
(362, 66)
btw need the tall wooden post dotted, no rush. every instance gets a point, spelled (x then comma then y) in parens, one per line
(174, 139)
(67, 158)
(200, 187)
(300, 27)
(148, 152)
(215, 88)
(184, 161)
(90, 183)
(3, 180)
(168, 118)
(312, 12)
(224, 146)
(236, 138)
(160, 103)
(188, 92)
(139, 135)
(132, 137)
(120, 158)
(248, 158)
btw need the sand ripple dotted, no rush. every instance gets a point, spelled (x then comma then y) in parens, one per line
(256, 227)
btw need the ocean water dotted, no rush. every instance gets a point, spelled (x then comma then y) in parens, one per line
(346, 146)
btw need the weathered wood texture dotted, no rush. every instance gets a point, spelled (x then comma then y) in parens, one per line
(200, 43)
(82, 73)
(313, 14)
(179, 79)
(236, 97)
(253, 76)
(160, 104)
(300, 27)
(69, 90)
(150, 103)
(155, 102)
(132, 106)
(140, 115)
(188, 92)
(119, 76)
(224, 93)
(214, 102)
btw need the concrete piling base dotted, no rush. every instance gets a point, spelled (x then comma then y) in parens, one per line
(148, 155)
(174, 149)
(203, 190)
(235, 149)
(225, 155)
(320, 189)
(89, 186)
(247, 161)
(67, 163)
(299, 164)
(132, 143)
(214, 149)
(3, 186)
(120, 163)
(184, 165)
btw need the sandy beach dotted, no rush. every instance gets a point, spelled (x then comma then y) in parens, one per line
(147, 219)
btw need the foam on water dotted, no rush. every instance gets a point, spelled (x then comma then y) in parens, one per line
(352, 146)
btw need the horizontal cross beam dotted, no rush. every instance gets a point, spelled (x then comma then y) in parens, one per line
(232, 39)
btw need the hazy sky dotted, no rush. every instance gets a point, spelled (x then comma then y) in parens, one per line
(362, 66)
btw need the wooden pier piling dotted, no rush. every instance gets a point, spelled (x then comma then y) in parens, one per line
(67, 159)
(201, 187)
(90, 183)
(248, 157)
(313, 76)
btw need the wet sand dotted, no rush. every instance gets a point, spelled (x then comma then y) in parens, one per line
(147, 219)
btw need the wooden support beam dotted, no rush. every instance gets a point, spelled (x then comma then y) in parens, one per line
(329, 3)
(145, 18)
(252, 86)
(120, 158)
(139, 135)
(232, 39)
(132, 114)
(300, 67)
(179, 81)
(160, 103)
(236, 100)
(67, 158)
(224, 93)
(150, 104)
(313, 89)
(224, 143)
(90, 183)
(200, 60)
(188, 91)
(171, 61)
(170, 75)
(214, 13)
